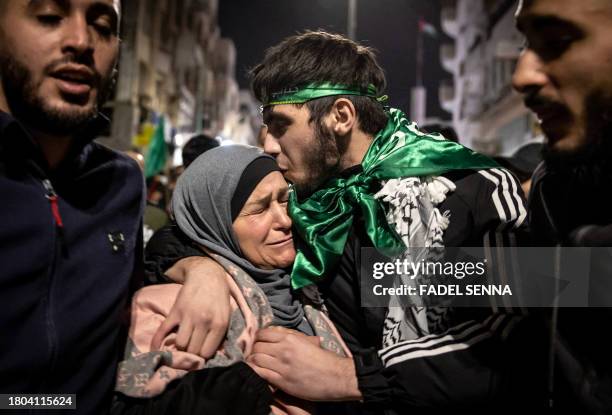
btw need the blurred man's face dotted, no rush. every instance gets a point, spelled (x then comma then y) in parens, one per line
(565, 70)
(57, 59)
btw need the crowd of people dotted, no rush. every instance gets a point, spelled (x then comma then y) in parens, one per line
(247, 299)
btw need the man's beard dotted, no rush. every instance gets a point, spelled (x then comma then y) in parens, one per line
(591, 164)
(322, 162)
(31, 109)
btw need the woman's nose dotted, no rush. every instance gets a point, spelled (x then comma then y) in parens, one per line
(282, 217)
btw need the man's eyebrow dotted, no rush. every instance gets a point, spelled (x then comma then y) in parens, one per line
(105, 8)
(62, 4)
(533, 22)
(272, 116)
(98, 7)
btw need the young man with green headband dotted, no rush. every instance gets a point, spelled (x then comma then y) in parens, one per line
(352, 161)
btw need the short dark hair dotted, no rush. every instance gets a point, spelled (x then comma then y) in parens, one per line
(323, 57)
(197, 145)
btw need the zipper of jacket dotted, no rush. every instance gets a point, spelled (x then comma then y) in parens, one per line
(39, 168)
(52, 197)
(554, 315)
(552, 351)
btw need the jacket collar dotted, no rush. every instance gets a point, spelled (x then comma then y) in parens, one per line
(541, 217)
(14, 135)
(558, 205)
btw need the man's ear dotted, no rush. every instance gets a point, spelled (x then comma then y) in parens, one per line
(343, 117)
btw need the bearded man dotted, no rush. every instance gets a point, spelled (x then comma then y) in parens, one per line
(564, 74)
(71, 208)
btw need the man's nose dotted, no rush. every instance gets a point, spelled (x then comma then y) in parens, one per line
(78, 36)
(529, 73)
(270, 145)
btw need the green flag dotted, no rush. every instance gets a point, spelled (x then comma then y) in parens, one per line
(156, 155)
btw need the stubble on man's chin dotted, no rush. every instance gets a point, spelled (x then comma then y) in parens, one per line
(591, 164)
(322, 163)
(32, 110)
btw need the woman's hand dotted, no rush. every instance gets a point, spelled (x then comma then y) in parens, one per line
(202, 309)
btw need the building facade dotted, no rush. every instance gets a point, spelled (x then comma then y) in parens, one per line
(487, 113)
(174, 63)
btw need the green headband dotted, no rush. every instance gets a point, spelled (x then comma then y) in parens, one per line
(319, 90)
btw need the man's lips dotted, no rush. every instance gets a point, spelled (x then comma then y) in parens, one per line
(74, 80)
(554, 124)
(546, 109)
(546, 114)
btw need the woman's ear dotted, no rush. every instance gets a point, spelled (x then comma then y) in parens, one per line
(343, 116)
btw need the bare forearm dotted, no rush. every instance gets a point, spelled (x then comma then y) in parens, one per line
(191, 267)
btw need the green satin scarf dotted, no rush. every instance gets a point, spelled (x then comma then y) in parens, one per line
(318, 90)
(324, 219)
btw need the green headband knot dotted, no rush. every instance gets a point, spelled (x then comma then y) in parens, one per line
(319, 90)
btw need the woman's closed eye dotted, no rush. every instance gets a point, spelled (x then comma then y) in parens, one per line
(257, 207)
(259, 211)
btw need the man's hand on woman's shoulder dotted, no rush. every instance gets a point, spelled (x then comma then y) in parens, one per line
(201, 312)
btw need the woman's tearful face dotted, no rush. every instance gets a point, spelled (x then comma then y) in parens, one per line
(263, 227)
